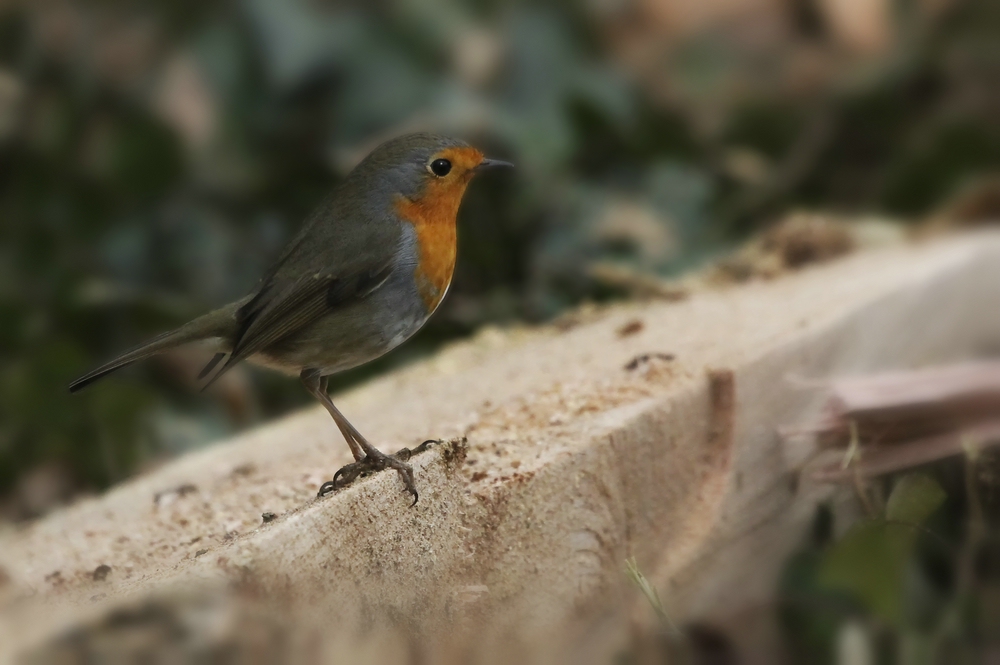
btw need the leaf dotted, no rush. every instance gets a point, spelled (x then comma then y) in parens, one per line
(871, 560)
(868, 563)
(914, 498)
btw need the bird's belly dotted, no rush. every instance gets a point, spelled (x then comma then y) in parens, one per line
(352, 335)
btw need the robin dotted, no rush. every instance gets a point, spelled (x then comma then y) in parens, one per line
(364, 273)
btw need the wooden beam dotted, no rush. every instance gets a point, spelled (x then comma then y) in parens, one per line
(649, 431)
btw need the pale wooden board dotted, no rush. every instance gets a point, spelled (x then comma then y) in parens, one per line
(526, 563)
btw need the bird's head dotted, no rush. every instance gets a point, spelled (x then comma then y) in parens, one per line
(421, 168)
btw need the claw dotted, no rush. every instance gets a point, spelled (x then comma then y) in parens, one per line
(339, 472)
(404, 454)
(348, 473)
(345, 475)
(425, 445)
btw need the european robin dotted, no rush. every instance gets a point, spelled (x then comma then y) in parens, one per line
(364, 273)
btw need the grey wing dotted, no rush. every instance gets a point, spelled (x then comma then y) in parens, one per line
(308, 283)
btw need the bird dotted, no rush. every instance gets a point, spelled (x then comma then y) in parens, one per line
(363, 274)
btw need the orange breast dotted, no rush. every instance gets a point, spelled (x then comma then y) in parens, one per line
(434, 220)
(434, 217)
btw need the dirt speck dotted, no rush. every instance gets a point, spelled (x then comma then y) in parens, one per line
(101, 572)
(247, 469)
(478, 475)
(268, 516)
(644, 358)
(630, 328)
(166, 497)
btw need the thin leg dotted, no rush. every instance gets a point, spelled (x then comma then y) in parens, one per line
(346, 428)
(317, 385)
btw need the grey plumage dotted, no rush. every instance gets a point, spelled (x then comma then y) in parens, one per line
(345, 251)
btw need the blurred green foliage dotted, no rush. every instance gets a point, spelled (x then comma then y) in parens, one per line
(869, 561)
(154, 156)
(915, 583)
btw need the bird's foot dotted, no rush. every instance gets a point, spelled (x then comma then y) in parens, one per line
(376, 461)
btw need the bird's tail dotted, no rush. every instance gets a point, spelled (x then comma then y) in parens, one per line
(220, 323)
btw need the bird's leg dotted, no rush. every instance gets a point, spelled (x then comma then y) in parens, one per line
(368, 458)
(317, 385)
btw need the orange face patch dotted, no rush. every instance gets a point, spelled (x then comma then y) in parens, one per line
(434, 216)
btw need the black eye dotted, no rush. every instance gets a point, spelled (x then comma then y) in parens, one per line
(440, 167)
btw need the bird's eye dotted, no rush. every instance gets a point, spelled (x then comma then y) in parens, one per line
(440, 167)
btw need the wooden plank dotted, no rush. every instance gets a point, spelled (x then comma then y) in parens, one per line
(573, 463)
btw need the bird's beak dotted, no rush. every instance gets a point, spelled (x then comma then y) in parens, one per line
(493, 164)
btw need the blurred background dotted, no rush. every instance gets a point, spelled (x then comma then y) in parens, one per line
(156, 155)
